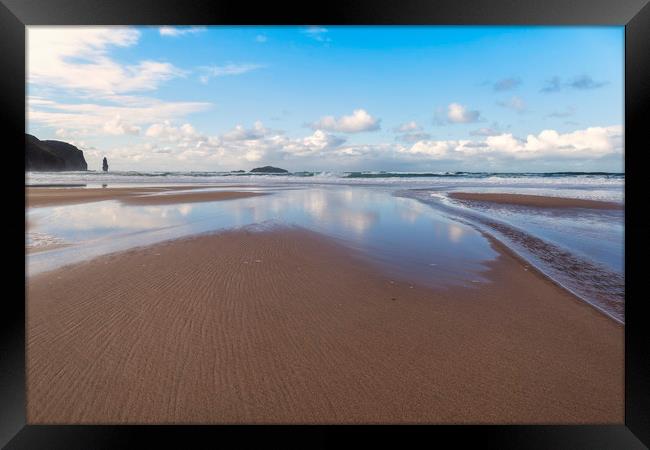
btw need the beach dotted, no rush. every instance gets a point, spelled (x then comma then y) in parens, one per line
(537, 201)
(320, 224)
(290, 322)
(39, 197)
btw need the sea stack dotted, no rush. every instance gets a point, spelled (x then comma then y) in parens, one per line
(105, 165)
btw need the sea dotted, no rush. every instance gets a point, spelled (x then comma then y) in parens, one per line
(580, 249)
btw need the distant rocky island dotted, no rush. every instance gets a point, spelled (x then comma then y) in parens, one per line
(269, 169)
(52, 155)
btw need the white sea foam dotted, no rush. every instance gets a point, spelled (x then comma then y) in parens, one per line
(36, 240)
(588, 183)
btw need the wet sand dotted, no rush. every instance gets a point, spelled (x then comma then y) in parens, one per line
(44, 248)
(187, 197)
(39, 197)
(537, 201)
(286, 326)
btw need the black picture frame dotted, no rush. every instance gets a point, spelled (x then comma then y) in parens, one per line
(15, 15)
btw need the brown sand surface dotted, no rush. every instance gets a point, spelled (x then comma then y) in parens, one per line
(44, 248)
(286, 326)
(538, 201)
(187, 197)
(37, 197)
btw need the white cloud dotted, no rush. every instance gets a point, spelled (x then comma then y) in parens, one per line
(408, 127)
(168, 142)
(120, 115)
(166, 131)
(170, 145)
(40, 101)
(76, 58)
(118, 126)
(226, 70)
(410, 132)
(322, 141)
(590, 142)
(317, 33)
(261, 38)
(317, 143)
(232, 69)
(594, 142)
(457, 113)
(412, 137)
(240, 133)
(70, 134)
(180, 31)
(433, 149)
(359, 121)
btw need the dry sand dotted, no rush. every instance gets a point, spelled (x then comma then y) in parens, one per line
(286, 326)
(37, 197)
(534, 200)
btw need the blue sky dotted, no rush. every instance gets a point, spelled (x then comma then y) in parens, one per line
(332, 98)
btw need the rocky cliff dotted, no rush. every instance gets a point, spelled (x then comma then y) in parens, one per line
(52, 155)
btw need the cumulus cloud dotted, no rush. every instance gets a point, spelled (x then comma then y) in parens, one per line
(357, 122)
(457, 113)
(317, 143)
(77, 59)
(410, 132)
(240, 133)
(180, 31)
(593, 142)
(323, 141)
(169, 145)
(506, 84)
(408, 127)
(433, 149)
(590, 142)
(118, 126)
(167, 131)
(233, 148)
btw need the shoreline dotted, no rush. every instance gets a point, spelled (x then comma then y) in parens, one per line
(538, 201)
(503, 248)
(135, 195)
(306, 304)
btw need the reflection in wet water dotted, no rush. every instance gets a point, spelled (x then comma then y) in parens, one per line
(596, 235)
(579, 248)
(405, 236)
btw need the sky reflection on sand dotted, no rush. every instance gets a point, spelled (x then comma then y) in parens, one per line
(410, 239)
